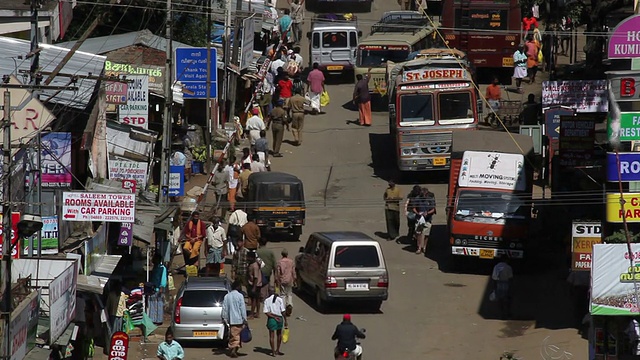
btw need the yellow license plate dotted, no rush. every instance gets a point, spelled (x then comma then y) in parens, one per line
(279, 224)
(335, 67)
(487, 254)
(507, 61)
(439, 161)
(205, 333)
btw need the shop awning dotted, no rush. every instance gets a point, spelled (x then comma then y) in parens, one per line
(96, 281)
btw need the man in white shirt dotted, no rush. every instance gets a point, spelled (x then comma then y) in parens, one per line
(254, 125)
(297, 57)
(216, 250)
(237, 220)
(234, 173)
(257, 166)
(276, 64)
(274, 309)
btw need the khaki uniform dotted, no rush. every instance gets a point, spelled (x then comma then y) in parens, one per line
(296, 106)
(277, 119)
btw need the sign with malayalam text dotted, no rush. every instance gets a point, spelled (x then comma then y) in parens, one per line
(580, 95)
(153, 72)
(628, 170)
(15, 241)
(577, 138)
(90, 206)
(624, 41)
(116, 92)
(129, 170)
(493, 170)
(614, 278)
(176, 180)
(24, 327)
(119, 346)
(191, 71)
(136, 111)
(583, 236)
(56, 160)
(434, 74)
(631, 207)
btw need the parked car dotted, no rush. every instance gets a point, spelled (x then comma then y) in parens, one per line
(343, 266)
(197, 311)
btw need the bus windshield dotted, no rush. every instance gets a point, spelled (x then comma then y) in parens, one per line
(370, 57)
(455, 108)
(416, 109)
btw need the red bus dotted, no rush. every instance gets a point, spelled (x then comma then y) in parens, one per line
(488, 31)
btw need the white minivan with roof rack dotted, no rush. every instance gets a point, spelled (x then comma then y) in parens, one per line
(334, 42)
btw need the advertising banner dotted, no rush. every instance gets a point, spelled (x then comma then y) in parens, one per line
(583, 236)
(154, 73)
(623, 85)
(613, 279)
(15, 219)
(24, 326)
(629, 127)
(90, 206)
(62, 301)
(119, 346)
(631, 207)
(48, 236)
(494, 170)
(581, 95)
(136, 111)
(129, 170)
(577, 137)
(116, 92)
(56, 160)
(624, 42)
(125, 238)
(248, 37)
(629, 169)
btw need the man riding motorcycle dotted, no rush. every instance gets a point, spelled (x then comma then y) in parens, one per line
(346, 333)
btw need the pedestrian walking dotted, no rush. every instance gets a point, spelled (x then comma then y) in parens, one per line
(254, 279)
(296, 106)
(244, 178)
(520, 66)
(362, 98)
(284, 87)
(234, 314)
(297, 15)
(276, 121)
(239, 263)
(221, 188)
(502, 275)
(532, 49)
(531, 111)
(274, 309)
(529, 22)
(493, 96)
(286, 277)
(158, 278)
(410, 213)
(392, 198)
(425, 208)
(233, 172)
(257, 165)
(285, 23)
(216, 247)
(252, 234)
(169, 349)
(254, 125)
(262, 148)
(315, 87)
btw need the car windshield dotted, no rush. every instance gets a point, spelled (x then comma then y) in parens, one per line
(279, 192)
(356, 256)
(454, 107)
(203, 298)
(417, 109)
(490, 204)
(368, 57)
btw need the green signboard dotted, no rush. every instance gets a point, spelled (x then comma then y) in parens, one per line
(629, 126)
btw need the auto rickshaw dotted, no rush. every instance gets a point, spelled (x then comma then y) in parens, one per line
(276, 203)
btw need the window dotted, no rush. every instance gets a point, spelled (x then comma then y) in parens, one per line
(455, 106)
(356, 256)
(379, 57)
(416, 108)
(311, 246)
(353, 39)
(336, 39)
(279, 192)
(316, 40)
(486, 204)
(203, 298)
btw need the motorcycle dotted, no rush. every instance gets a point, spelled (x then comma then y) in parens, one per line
(356, 354)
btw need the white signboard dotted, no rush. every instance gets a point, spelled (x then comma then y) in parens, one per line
(581, 95)
(62, 301)
(613, 279)
(89, 206)
(136, 112)
(492, 170)
(129, 170)
(248, 37)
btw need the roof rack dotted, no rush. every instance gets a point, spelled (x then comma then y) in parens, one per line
(439, 53)
(408, 25)
(334, 18)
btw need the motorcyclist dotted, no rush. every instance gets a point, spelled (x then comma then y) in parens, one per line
(346, 333)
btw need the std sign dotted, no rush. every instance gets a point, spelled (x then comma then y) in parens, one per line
(583, 236)
(119, 346)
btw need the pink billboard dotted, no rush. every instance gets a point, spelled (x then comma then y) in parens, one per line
(624, 42)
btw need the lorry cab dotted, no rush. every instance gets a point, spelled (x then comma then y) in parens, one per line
(334, 42)
(276, 202)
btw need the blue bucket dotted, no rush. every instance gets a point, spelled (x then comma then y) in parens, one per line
(197, 167)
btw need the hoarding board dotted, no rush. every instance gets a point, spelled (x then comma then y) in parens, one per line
(62, 301)
(623, 42)
(434, 74)
(583, 236)
(629, 127)
(577, 139)
(48, 237)
(627, 170)
(582, 95)
(15, 219)
(56, 160)
(24, 327)
(492, 170)
(613, 279)
(129, 170)
(116, 92)
(90, 206)
(136, 111)
(631, 207)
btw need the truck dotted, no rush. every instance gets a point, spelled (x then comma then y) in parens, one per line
(490, 194)
(333, 43)
(430, 98)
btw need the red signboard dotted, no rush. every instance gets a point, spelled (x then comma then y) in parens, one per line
(130, 185)
(434, 74)
(15, 250)
(116, 92)
(119, 346)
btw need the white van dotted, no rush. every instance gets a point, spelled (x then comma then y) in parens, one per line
(333, 43)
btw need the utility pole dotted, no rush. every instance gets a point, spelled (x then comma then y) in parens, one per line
(36, 78)
(167, 121)
(35, 37)
(6, 226)
(227, 49)
(234, 58)
(209, 125)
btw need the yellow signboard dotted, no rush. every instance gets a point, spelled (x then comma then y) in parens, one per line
(631, 208)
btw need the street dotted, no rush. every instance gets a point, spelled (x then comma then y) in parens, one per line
(431, 310)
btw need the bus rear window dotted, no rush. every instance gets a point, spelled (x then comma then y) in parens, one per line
(336, 39)
(483, 19)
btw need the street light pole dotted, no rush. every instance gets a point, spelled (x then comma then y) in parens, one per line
(6, 226)
(167, 121)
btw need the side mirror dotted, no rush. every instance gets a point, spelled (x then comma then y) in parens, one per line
(301, 249)
(359, 33)
(309, 35)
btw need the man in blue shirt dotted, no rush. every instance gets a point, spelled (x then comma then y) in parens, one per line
(285, 26)
(234, 314)
(170, 349)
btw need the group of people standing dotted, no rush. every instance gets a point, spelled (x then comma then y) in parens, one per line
(419, 209)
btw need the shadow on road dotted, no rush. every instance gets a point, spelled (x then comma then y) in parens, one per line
(336, 308)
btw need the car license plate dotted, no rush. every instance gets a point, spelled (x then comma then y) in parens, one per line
(487, 254)
(357, 287)
(335, 67)
(279, 224)
(439, 161)
(205, 333)
(507, 61)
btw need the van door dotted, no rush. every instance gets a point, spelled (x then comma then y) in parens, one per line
(353, 44)
(336, 52)
(314, 49)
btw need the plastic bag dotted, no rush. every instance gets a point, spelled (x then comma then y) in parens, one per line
(324, 98)
(171, 284)
(540, 57)
(245, 334)
(285, 335)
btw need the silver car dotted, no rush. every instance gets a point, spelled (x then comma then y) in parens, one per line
(197, 311)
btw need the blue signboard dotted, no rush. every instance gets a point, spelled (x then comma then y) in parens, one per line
(629, 167)
(191, 71)
(176, 180)
(552, 120)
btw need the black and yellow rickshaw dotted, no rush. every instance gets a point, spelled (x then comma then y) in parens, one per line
(276, 202)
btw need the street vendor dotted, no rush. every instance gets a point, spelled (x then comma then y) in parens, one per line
(195, 232)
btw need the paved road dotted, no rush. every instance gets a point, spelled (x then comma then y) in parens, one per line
(431, 311)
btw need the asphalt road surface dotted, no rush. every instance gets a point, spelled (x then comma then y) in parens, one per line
(431, 311)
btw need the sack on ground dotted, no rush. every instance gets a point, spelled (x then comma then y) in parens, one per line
(245, 334)
(324, 98)
(285, 335)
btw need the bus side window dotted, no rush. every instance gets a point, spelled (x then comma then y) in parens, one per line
(316, 40)
(353, 39)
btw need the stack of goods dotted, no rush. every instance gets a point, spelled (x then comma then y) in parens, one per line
(135, 305)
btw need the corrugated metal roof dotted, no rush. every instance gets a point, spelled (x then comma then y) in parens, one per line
(105, 44)
(13, 61)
